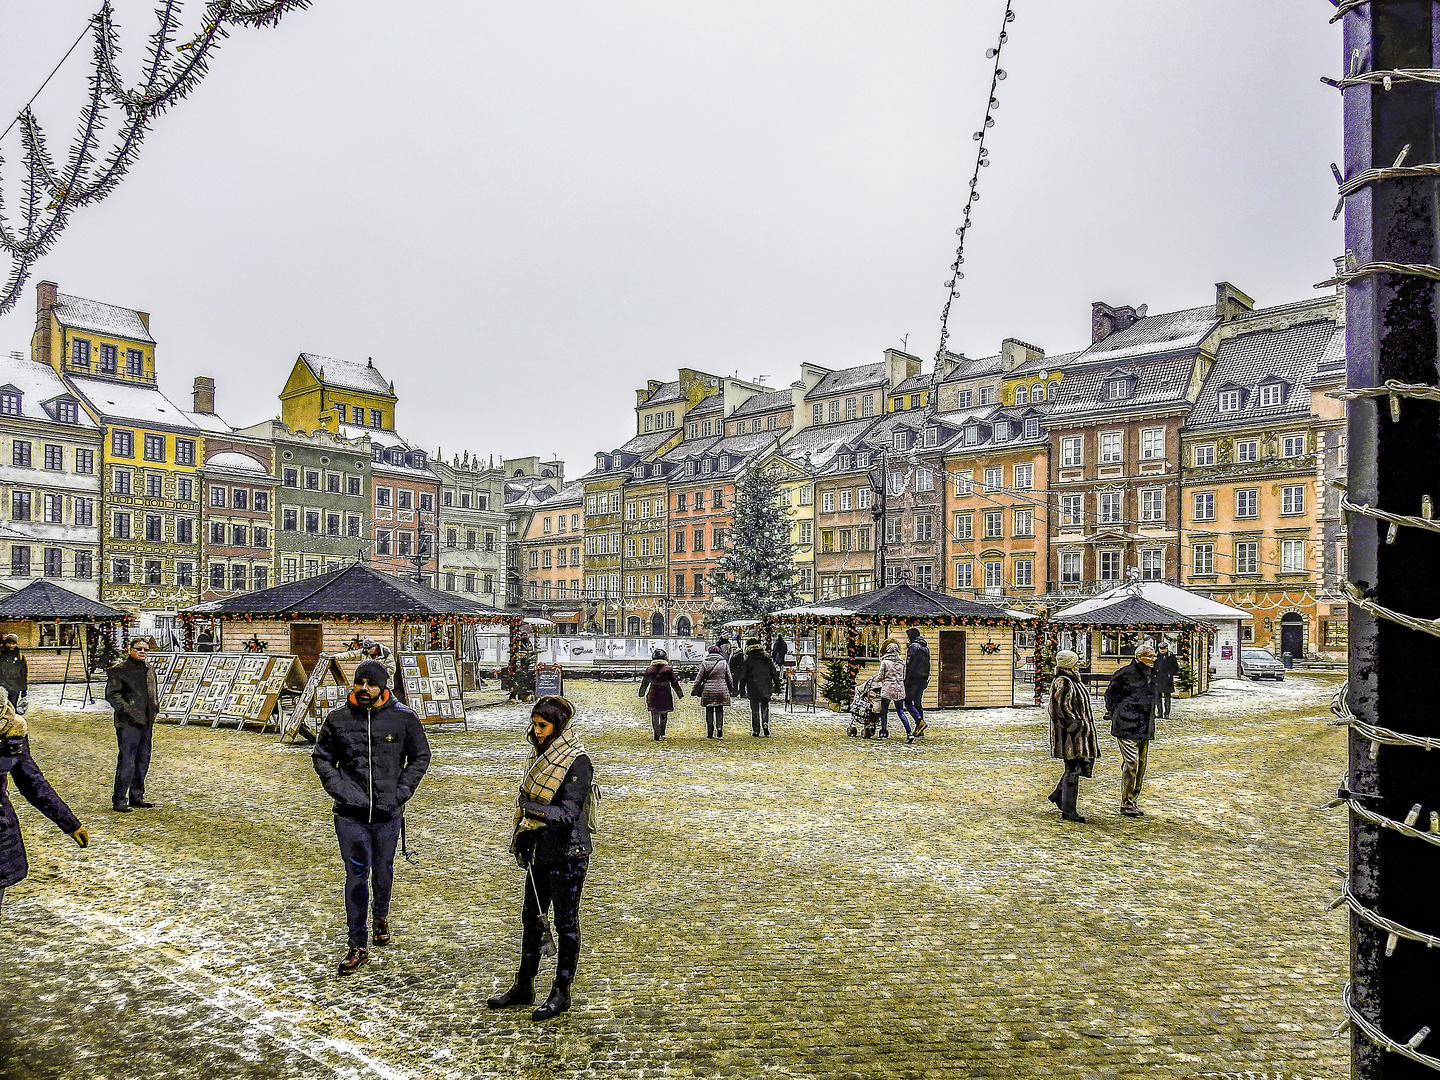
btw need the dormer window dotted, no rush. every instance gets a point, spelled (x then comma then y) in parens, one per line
(601, 461)
(1032, 427)
(1002, 430)
(899, 441)
(689, 468)
(1272, 393)
(1120, 388)
(862, 459)
(10, 401)
(377, 453)
(1230, 400)
(972, 434)
(932, 436)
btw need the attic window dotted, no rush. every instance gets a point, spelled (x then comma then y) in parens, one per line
(972, 434)
(377, 453)
(1272, 393)
(1032, 427)
(1002, 430)
(899, 441)
(863, 459)
(1229, 400)
(1119, 389)
(10, 402)
(932, 436)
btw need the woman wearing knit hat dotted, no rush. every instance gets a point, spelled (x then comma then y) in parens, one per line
(1072, 732)
(551, 841)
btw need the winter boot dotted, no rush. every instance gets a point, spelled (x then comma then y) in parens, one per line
(719, 724)
(709, 723)
(1068, 797)
(354, 960)
(655, 726)
(1054, 796)
(382, 932)
(521, 993)
(664, 717)
(555, 1004)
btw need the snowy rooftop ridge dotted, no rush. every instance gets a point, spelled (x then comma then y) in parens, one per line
(77, 313)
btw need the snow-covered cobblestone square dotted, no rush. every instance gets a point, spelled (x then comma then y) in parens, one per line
(806, 906)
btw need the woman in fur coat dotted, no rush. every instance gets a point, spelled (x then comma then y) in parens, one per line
(16, 763)
(1072, 732)
(659, 688)
(712, 686)
(892, 686)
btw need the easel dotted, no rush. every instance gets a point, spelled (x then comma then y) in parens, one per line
(87, 696)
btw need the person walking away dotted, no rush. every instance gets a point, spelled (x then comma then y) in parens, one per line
(551, 842)
(14, 672)
(130, 689)
(759, 681)
(779, 649)
(370, 755)
(917, 678)
(1072, 732)
(16, 763)
(1130, 707)
(736, 661)
(659, 687)
(892, 687)
(1166, 668)
(712, 686)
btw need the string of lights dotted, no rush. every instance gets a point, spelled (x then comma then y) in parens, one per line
(982, 160)
(1344, 7)
(1397, 171)
(50, 193)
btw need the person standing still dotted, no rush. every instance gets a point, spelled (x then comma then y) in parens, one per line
(551, 842)
(1072, 733)
(759, 681)
(1130, 706)
(14, 672)
(779, 649)
(370, 755)
(917, 678)
(1166, 668)
(130, 689)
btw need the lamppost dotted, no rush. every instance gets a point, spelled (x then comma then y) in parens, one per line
(877, 476)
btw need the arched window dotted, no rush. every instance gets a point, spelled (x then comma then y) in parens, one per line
(682, 627)
(1022, 396)
(657, 625)
(1037, 392)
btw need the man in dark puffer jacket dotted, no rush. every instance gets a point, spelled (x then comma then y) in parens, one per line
(371, 753)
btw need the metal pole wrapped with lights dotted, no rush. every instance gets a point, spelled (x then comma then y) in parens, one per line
(1392, 785)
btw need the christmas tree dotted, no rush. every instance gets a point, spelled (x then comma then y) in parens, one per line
(522, 680)
(839, 685)
(756, 574)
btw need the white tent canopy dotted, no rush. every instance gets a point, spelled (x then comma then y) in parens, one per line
(1181, 601)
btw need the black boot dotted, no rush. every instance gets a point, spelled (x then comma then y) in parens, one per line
(664, 718)
(709, 723)
(719, 724)
(1054, 796)
(521, 993)
(555, 1004)
(655, 726)
(1068, 797)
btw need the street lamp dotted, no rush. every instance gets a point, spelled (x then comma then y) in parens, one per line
(877, 477)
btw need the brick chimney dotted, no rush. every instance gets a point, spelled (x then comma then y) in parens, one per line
(46, 294)
(1106, 320)
(204, 394)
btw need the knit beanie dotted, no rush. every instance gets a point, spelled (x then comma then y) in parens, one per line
(375, 672)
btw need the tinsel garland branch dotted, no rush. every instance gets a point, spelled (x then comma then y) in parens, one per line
(50, 194)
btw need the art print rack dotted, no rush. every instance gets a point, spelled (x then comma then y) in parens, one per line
(316, 699)
(432, 687)
(224, 688)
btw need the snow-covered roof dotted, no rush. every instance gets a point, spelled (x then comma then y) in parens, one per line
(77, 313)
(847, 379)
(1182, 601)
(347, 374)
(132, 401)
(389, 440)
(1155, 335)
(38, 383)
(234, 461)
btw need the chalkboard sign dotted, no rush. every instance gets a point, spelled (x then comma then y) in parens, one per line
(549, 680)
(432, 687)
(240, 687)
(802, 691)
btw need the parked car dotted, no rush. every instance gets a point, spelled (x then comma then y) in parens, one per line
(1256, 663)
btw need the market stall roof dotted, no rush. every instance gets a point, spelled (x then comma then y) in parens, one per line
(43, 599)
(1191, 605)
(1123, 611)
(902, 601)
(355, 589)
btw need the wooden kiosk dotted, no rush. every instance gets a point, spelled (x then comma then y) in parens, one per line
(972, 646)
(60, 632)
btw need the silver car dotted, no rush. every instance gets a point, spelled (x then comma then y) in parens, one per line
(1256, 663)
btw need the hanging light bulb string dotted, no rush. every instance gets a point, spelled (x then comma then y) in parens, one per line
(982, 160)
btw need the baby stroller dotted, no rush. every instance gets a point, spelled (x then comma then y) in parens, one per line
(865, 709)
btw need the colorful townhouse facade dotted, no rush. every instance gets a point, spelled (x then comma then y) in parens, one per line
(552, 556)
(471, 527)
(237, 516)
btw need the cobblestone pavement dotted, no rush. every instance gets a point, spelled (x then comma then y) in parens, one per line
(805, 906)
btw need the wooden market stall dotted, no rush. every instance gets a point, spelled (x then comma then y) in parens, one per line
(330, 614)
(972, 646)
(1105, 638)
(60, 632)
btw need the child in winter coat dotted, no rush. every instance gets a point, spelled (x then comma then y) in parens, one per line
(892, 686)
(712, 686)
(659, 687)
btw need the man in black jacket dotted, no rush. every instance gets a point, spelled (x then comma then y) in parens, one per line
(917, 678)
(371, 753)
(14, 672)
(1166, 668)
(759, 680)
(130, 689)
(1130, 705)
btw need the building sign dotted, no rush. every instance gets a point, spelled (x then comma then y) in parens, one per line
(1227, 652)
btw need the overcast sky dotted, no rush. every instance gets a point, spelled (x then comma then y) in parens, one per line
(523, 211)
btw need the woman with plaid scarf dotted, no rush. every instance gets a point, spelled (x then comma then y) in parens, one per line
(551, 841)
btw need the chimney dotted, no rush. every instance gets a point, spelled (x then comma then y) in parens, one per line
(1017, 352)
(204, 394)
(1106, 320)
(799, 414)
(46, 294)
(1230, 302)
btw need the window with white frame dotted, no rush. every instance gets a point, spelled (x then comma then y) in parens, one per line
(1292, 446)
(1247, 502)
(1032, 427)
(1272, 393)
(1204, 506)
(924, 527)
(827, 502)
(1070, 567)
(1111, 510)
(964, 575)
(1292, 556)
(1111, 447)
(1024, 523)
(1024, 573)
(963, 482)
(1117, 389)
(987, 395)
(994, 524)
(1022, 395)
(1152, 504)
(1111, 565)
(847, 499)
(1247, 557)
(994, 478)
(1292, 499)
(804, 533)
(924, 480)
(1024, 477)
(1229, 401)
(1203, 455)
(994, 574)
(1152, 564)
(895, 483)
(1070, 451)
(1072, 510)
(862, 498)
(964, 526)
(1247, 450)
(1152, 442)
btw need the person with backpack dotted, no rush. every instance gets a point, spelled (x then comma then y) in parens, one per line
(712, 686)
(660, 687)
(551, 842)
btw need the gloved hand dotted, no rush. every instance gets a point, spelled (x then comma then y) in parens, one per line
(81, 836)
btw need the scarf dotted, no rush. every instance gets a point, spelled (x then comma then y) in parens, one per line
(543, 777)
(11, 724)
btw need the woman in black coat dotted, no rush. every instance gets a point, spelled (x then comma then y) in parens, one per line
(16, 763)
